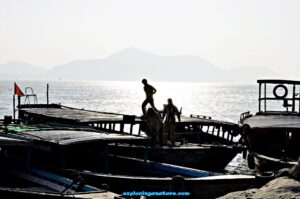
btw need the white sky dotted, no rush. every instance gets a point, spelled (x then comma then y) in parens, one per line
(228, 33)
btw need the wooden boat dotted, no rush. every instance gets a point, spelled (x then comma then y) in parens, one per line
(151, 176)
(273, 137)
(39, 184)
(207, 143)
(86, 153)
(17, 182)
(195, 128)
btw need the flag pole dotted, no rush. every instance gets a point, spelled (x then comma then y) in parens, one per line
(47, 94)
(14, 106)
(19, 100)
(19, 93)
(19, 103)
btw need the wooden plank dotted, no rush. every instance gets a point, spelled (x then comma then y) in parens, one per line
(74, 114)
(84, 116)
(69, 137)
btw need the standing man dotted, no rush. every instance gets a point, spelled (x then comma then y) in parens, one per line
(149, 91)
(170, 110)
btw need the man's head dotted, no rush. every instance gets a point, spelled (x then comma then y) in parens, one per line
(170, 102)
(144, 81)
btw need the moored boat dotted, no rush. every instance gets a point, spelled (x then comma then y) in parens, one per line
(18, 181)
(272, 135)
(205, 143)
(87, 153)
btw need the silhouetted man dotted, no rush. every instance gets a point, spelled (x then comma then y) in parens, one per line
(149, 91)
(170, 111)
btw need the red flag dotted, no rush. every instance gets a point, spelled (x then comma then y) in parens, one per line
(18, 91)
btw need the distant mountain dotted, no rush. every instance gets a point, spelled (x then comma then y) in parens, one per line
(20, 70)
(132, 64)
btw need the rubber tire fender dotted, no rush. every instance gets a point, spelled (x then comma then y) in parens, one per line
(177, 184)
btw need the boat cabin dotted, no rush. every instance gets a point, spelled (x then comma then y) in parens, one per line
(285, 91)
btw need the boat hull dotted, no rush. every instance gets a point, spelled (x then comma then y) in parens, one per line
(207, 187)
(265, 163)
(208, 157)
(273, 140)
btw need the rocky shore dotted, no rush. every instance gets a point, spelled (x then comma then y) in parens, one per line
(284, 187)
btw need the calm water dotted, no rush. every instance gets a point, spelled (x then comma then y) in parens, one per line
(225, 102)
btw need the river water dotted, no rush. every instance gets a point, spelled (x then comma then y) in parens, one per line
(225, 102)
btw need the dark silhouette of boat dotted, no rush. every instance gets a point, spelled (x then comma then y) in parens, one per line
(18, 181)
(85, 152)
(272, 135)
(205, 143)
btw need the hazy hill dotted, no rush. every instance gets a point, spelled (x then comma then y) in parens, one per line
(132, 64)
(20, 70)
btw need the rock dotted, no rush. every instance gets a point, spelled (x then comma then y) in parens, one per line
(295, 171)
(279, 188)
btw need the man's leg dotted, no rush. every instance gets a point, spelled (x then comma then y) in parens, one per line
(165, 134)
(151, 102)
(172, 132)
(144, 106)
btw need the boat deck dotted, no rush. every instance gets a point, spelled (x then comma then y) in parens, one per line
(73, 115)
(218, 130)
(69, 137)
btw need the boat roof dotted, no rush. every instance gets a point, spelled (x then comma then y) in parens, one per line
(73, 114)
(275, 121)
(73, 137)
(278, 81)
(59, 113)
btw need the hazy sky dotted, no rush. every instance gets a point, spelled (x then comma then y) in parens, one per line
(228, 33)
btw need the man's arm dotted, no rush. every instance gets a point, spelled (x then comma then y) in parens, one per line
(154, 90)
(177, 113)
(178, 116)
(164, 113)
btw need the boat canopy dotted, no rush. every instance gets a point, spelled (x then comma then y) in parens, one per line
(287, 91)
(67, 137)
(278, 81)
